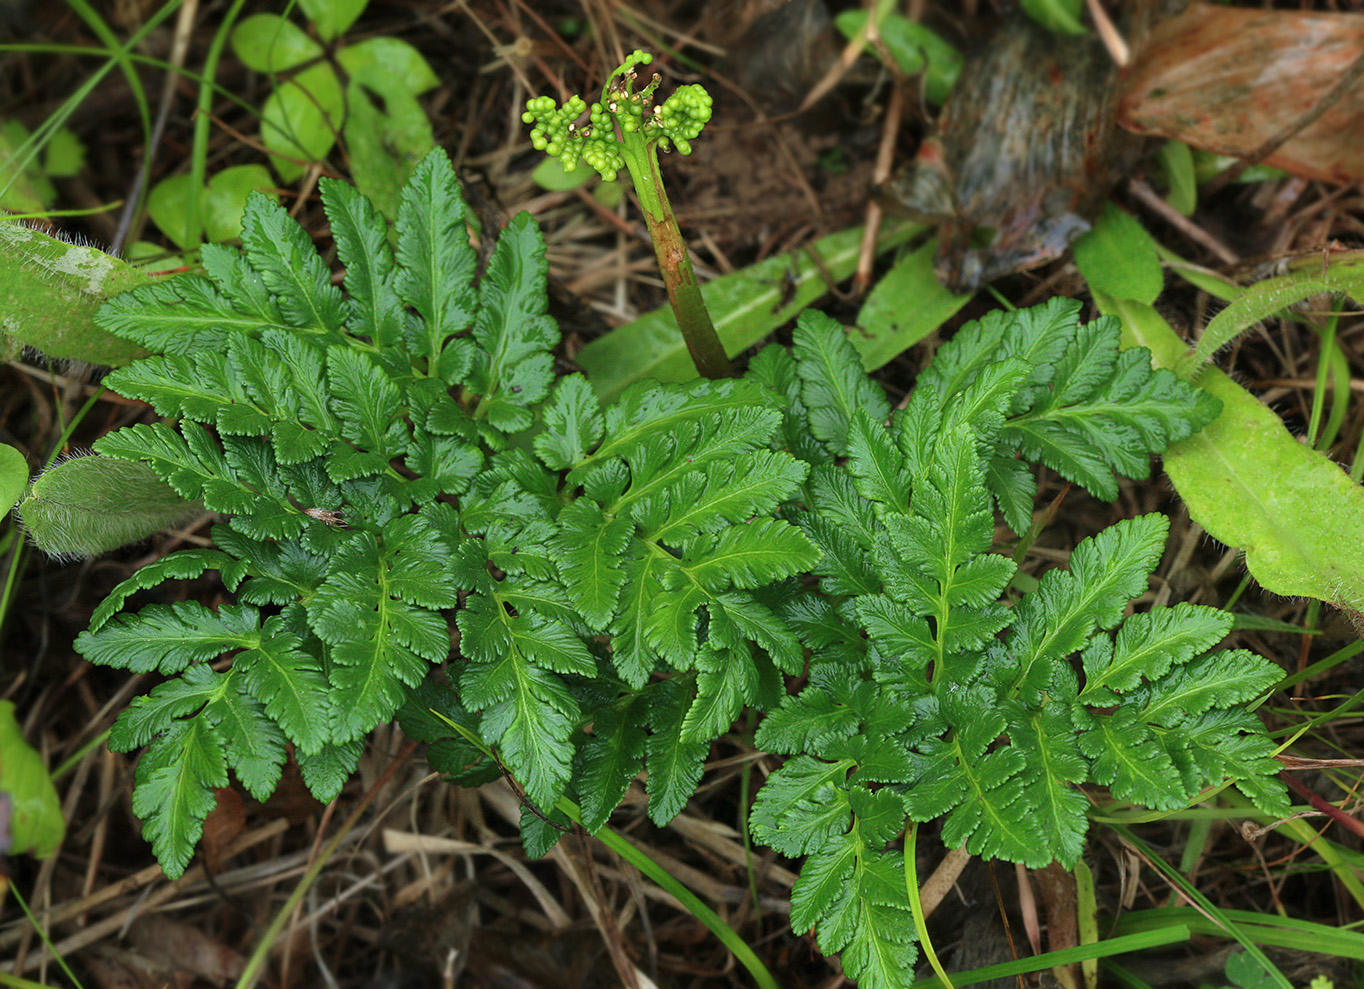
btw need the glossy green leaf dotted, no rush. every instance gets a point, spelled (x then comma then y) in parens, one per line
(745, 306)
(1297, 516)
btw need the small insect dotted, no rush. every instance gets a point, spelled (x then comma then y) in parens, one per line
(328, 515)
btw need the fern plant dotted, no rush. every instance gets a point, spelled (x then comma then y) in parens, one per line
(371, 451)
(936, 691)
(422, 521)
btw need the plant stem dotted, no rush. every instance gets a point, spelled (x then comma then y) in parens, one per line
(707, 353)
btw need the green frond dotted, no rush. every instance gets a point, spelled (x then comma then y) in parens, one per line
(173, 790)
(289, 266)
(800, 805)
(184, 564)
(674, 765)
(169, 637)
(436, 268)
(374, 308)
(255, 747)
(326, 771)
(611, 758)
(834, 386)
(626, 580)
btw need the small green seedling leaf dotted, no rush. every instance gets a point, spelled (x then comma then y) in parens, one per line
(168, 204)
(26, 189)
(13, 476)
(27, 797)
(224, 201)
(89, 505)
(1118, 257)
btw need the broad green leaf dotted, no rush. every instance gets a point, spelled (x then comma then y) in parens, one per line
(224, 200)
(168, 204)
(1297, 516)
(301, 118)
(35, 822)
(745, 306)
(270, 43)
(1118, 257)
(388, 66)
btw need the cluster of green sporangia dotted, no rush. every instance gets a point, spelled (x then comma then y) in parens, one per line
(676, 122)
